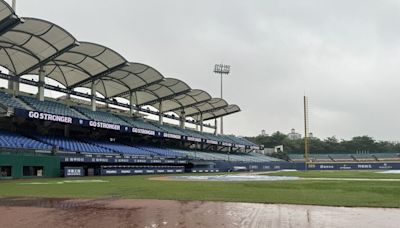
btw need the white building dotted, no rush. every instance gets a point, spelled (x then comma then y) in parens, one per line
(293, 135)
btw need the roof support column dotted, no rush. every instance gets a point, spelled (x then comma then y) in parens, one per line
(131, 101)
(40, 94)
(13, 84)
(93, 93)
(182, 120)
(215, 124)
(160, 114)
(201, 122)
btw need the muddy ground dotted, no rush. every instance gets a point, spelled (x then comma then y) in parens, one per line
(28, 212)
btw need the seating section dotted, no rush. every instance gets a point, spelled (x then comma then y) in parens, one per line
(13, 140)
(71, 145)
(9, 101)
(239, 140)
(51, 107)
(168, 128)
(101, 116)
(139, 123)
(59, 108)
(212, 156)
(123, 149)
(161, 151)
(347, 157)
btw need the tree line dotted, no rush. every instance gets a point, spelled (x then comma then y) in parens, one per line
(330, 145)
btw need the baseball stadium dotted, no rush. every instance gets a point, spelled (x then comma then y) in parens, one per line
(120, 144)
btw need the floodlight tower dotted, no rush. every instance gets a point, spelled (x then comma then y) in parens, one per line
(222, 69)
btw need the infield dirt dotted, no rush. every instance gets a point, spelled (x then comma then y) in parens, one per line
(38, 212)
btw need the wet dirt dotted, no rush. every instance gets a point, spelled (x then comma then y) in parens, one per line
(39, 212)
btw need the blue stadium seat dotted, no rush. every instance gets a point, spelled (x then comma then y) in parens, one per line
(101, 116)
(51, 107)
(71, 145)
(9, 101)
(13, 140)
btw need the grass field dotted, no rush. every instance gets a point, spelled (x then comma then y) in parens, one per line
(371, 193)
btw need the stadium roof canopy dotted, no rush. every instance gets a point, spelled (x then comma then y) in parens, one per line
(185, 100)
(28, 45)
(83, 64)
(157, 92)
(230, 109)
(204, 107)
(7, 16)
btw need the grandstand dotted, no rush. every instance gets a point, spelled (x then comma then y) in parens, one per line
(132, 117)
(96, 132)
(351, 157)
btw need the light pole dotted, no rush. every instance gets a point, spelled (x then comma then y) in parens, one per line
(222, 69)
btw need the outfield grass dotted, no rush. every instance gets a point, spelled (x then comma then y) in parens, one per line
(314, 192)
(337, 174)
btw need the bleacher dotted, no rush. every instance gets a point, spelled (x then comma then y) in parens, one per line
(13, 140)
(83, 112)
(8, 101)
(139, 123)
(387, 156)
(100, 116)
(163, 152)
(213, 156)
(169, 129)
(121, 148)
(52, 107)
(372, 157)
(72, 145)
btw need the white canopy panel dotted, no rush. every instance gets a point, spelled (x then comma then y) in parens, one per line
(230, 109)
(188, 99)
(206, 106)
(29, 43)
(82, 64)
(126, 79)
(167, 88)
(5, 12)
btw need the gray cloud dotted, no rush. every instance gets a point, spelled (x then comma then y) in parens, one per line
(343, 54)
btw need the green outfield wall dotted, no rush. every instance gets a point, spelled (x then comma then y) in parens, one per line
(28, 165)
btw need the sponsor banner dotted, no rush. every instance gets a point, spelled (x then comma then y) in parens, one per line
(49, 117)
(143, 131)
(226, 144)
(73, 171)
(352, 166)
(240, 146)
(193, 139)
(120, 160)
(172, 136)
(209, 141)
(111, 126)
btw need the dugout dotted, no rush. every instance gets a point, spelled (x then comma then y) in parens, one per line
(25, 165)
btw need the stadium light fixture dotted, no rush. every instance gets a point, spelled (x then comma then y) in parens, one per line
(222, 69)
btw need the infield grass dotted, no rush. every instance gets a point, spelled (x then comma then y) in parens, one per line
(371, 193)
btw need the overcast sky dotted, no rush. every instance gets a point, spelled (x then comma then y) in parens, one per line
(345, 55)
